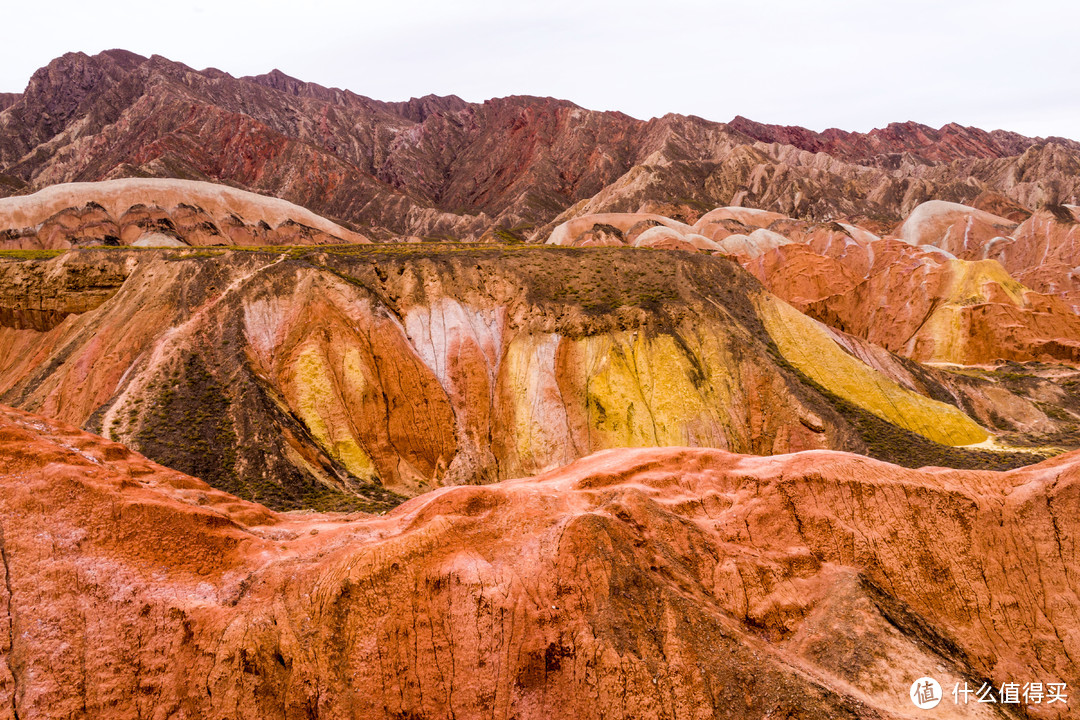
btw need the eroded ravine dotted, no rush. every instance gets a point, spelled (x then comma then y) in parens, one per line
(634, 583)
(327, 378)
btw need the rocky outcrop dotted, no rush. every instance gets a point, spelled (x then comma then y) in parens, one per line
(148, 212)
(438, 167)
(40, 295)
(312, 377)
(636, 583)
(938, 309)
(960, 230)
(1044, 252)
(937, 291)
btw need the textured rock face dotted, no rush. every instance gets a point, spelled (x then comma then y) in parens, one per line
(931, 307)
(1044, 252)
(641, 583)
(816, 186)
(440, 167)
(926, 144)
(937, 291)
(959, 312)
(999, 290)
(314, 378)
(159, 213)
(958, 229)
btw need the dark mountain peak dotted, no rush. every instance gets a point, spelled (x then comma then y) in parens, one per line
(277, 80)
(56, 93)
(786, 134)
(421, 108)
(529, 100)
(122, 55)
(905, 126)
(957, 127)
(285, 83)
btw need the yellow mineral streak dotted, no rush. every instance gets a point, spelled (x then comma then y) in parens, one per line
(319, 405)
(640, 392)
(624, 389)
(947, 328)
(968, 285)
(969, 280)
(806, 345)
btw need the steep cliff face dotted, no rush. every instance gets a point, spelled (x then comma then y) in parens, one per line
(289, 376)
(639, 583)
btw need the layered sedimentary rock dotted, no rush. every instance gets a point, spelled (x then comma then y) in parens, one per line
(146, 212)
(644, 583)
(1042, 251)
(312, 377)
(926, 144)
(936, 290)
(439, 167)
(605, 518)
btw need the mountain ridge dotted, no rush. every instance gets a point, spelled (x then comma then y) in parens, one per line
(441, 167)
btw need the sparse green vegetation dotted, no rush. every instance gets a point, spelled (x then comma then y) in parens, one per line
(189, 426)
(30, 254)
(508, 236)
(885, 441)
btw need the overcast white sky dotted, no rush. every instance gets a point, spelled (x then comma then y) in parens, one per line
(818, 63)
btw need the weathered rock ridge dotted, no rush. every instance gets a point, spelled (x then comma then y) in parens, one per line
(633, 584)
(313, 377)
(443, 168)
(147, 212)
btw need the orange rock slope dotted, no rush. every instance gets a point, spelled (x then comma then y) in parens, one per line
(309, 378)
(643, 583)
(947, 286)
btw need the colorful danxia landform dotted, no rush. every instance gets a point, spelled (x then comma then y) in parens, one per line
(313, 405)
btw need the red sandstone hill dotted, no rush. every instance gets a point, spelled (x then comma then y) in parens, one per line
(631, 576)
(929, 145)
(337, 377)
(441, 167)
(943, 287)
(632, 584)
